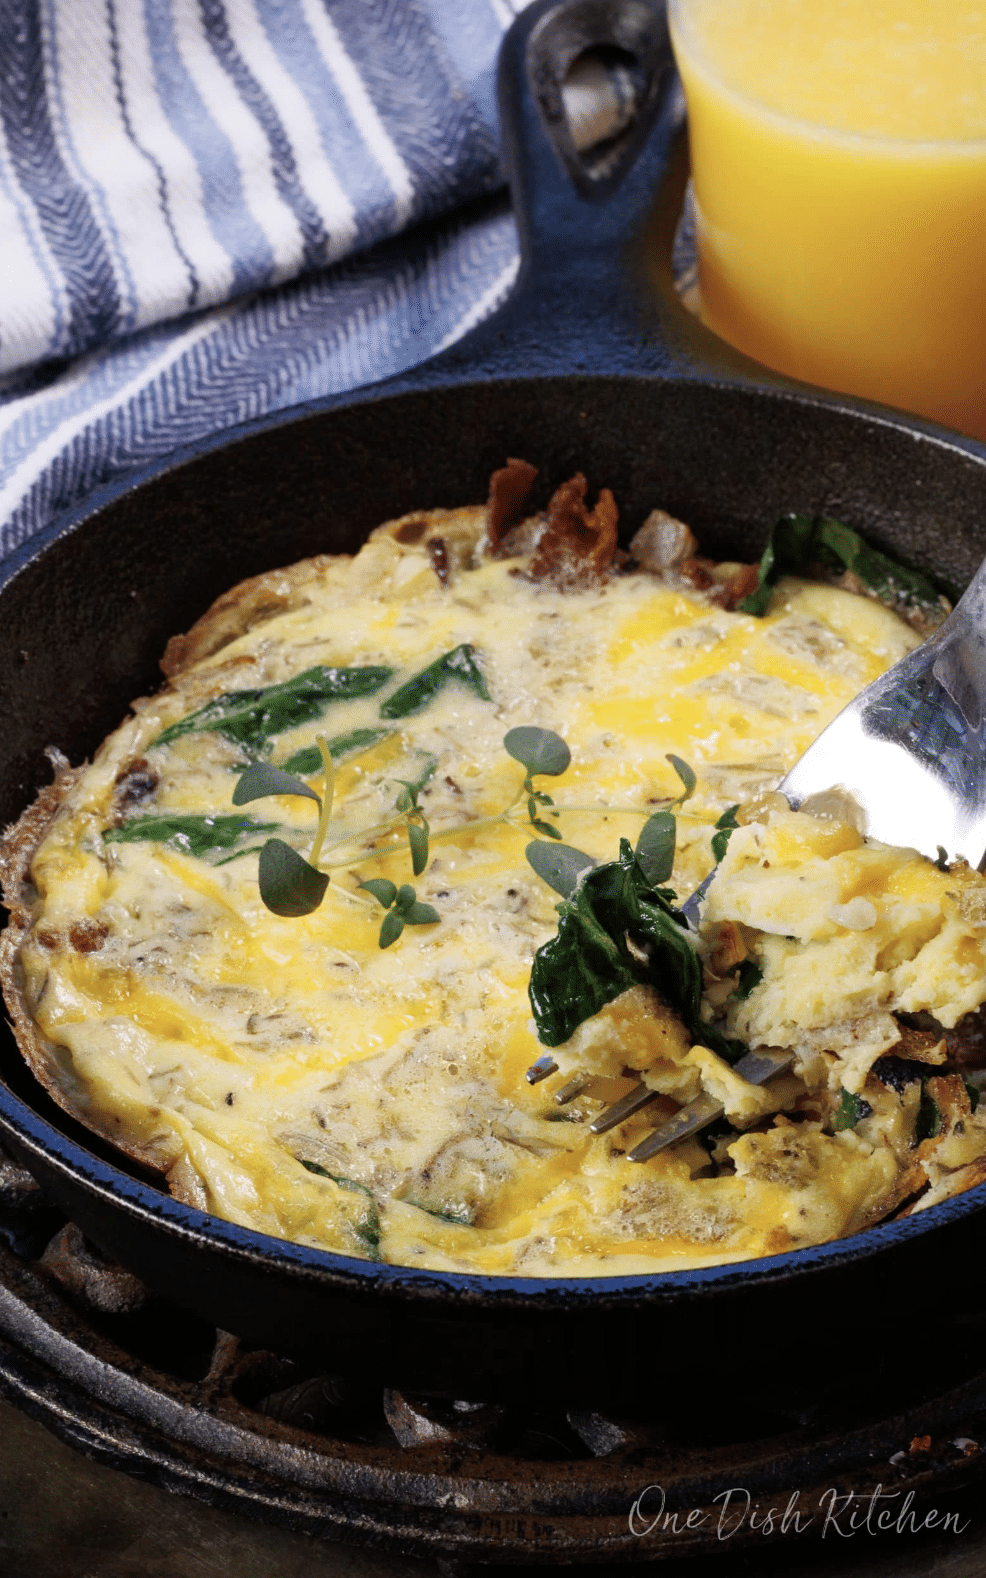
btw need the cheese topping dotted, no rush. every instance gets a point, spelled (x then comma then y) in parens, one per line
(294, 1077)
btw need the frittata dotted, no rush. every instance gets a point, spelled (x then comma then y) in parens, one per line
(350, 1073)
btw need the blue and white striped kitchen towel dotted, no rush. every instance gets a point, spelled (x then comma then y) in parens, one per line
(212, 209)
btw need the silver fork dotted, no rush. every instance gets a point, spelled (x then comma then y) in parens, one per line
(911, 752)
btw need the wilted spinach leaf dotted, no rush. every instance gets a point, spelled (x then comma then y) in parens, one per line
(461, 1217)
(929, 1120)
(309, 759)
(798, 542)
(252, 717)
(192, 834)
(458, 664)
(850, 1111)
(589, 962)
(750, 976)
(366, 1227)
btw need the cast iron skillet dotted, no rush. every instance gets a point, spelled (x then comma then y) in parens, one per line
(591, 365)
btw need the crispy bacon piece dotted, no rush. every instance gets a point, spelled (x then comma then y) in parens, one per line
(726, 582)
(578, 545)
(919, 1046)
(509, 488)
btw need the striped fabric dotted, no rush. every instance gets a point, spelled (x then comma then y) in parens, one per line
(210, 209)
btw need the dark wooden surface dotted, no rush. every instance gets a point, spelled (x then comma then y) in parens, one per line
(62, 1516)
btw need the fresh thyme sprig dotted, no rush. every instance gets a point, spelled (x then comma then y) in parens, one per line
(542, 752)
(417, 828)
(403, 908)
(293, 885)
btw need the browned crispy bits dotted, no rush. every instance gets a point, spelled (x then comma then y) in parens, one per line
(919, 1046)
(411, 532)
(950, 1096)
(509, 488)
(88, 935)
(578, 545)
(726, 582)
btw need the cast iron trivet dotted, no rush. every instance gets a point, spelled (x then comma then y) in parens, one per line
(138, 1384)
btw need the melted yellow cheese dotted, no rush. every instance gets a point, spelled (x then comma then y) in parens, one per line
(237, 1045)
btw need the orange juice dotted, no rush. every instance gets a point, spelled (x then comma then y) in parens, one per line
(839, 161)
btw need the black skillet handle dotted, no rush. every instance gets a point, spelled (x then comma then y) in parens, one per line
(594, 289)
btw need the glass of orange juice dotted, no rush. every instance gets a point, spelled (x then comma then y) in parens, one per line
(839, 163)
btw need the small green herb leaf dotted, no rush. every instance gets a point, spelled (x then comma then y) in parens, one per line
(260, 780)
(750, 976)
(685, 773)
(407, 799)
(406, 909)
(417, 837)
(726, 824)
(459, 664)
(193, 835)
(391, 928)
(559, 865)
(544, 828)
(539, 750)
(252, 717)
(383, 890)
(974, 1094)
(850, 1111)
(308, 761)
(655, 848)
(288, 884)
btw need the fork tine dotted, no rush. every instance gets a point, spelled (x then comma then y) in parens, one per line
(689, 1120)
(640, 1096)
(756, 1067)
(541, 1069)
(574, 1088)
(690, 908)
